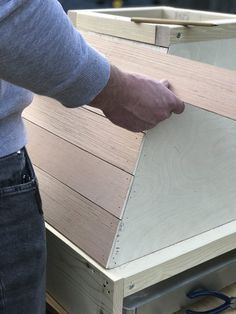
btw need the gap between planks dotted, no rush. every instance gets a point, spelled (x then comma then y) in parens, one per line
(68, 211)
(55, 305)
(98, 181)
(85, 129)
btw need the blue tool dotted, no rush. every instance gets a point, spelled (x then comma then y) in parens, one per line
(229, 302)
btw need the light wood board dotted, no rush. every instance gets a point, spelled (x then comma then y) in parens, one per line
(201, 85)
(95, 179)
(117, 22)
(115, 26)
(81, 285)
(93, 133)
(75, 217)
(184, 184)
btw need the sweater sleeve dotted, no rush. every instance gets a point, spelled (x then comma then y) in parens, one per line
(41, 51)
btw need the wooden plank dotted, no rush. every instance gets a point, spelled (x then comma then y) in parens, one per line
(78, 285)
(88, 131)
(111, 25)
(209, 303)
(185, 180)
(136, 275)
(88, 226)
(117, 22)
(55, 306)
(147, 11)
(201, 85)
(98, 181)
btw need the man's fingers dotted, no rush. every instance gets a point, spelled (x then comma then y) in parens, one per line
(179, 107)
(165, 83)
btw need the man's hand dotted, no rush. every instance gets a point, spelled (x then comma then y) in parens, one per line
(136, 102)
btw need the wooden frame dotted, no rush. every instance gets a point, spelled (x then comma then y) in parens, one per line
(81, 285)
(117, 22)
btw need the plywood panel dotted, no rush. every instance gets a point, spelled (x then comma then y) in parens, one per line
(184, 184)
(75, 216)
(98, 181)
(201, 85)
(87, 130)
(220, 53)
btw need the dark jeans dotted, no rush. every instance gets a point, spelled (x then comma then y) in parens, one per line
(22, 238)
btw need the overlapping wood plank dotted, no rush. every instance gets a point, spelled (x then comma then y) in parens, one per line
(75, 216)
(88, 131)
(204, 86)
(95, 179)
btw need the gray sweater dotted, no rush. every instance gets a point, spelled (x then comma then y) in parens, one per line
(41, 52)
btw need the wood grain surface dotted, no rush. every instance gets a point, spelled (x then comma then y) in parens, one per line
(201, 85)
(111, 25)
(184, 184)
(87, 130)
(75, 217)
(95, 179)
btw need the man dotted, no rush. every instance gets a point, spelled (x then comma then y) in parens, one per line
(40, 51)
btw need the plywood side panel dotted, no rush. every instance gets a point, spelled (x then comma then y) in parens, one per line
(184, 184)
(75, 216)
(87, 130)
(201, 85)
(220, 53)
(98, 181)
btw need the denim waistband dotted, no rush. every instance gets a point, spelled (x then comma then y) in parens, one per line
(12, 168)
